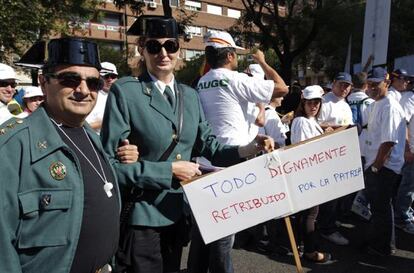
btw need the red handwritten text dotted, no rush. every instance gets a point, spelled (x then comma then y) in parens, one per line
(240, 207)
(307, 162)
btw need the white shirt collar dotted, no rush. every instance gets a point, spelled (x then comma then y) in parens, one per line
(161, 85)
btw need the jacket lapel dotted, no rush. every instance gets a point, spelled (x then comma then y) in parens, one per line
(45, 141)
(157, 100)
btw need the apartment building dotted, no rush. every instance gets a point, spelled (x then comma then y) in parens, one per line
(211, 14)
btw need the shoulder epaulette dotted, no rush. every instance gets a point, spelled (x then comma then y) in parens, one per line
(10, 128)
(124, 80)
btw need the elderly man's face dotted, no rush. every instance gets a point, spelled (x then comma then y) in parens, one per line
(7, 90)
(71, 93)
(341, 89)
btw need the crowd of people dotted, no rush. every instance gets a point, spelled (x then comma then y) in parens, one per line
(92, 164)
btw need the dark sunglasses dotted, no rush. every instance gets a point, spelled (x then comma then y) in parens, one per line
(13, 84)
(110, 76)
(73, 80)
(154, 47)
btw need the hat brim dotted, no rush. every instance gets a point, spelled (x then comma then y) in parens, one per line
(217, 45)
(349, 82)
(312, 97)
(375, 79)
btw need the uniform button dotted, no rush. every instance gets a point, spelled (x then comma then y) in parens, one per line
(174, 136)
(45, 200)
(178, 157)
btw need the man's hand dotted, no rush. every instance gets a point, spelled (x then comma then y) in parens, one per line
(185, 170)
(266, 143)
(127, 153)
(258, 56)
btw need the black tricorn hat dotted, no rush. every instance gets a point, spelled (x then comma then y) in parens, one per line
(154, 27)
(70, 51)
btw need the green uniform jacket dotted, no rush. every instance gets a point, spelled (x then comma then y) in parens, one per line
(137, 110)
(41, 202)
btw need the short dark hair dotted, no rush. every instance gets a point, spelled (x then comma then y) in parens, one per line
(359, 79)
(217, 57)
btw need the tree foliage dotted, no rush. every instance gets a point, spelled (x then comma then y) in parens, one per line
(117, 57)
(401, 38)
(185, 17)
(24, 21)
(288, 27)
(315, 33)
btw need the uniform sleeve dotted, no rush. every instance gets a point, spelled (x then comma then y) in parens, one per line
(252, 89)
(208, 146)
(9, 215)
(115, 128)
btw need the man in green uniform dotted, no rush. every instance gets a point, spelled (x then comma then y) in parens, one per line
(59, 200)
(165, 120)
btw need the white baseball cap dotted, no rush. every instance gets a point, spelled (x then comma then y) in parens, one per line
(108, 68)
(220, 39)
(257, 71)
(7, 72)
(32, 91)
(312, 92)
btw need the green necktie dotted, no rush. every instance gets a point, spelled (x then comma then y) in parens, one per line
(169, 95)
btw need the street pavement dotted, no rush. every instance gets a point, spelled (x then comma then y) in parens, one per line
(346, 259)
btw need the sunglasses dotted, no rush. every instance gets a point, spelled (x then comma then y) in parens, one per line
(73, 80)
(110, 76)
(154, 47)
(13, 84)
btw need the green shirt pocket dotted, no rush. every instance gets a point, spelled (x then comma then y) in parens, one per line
(45, 217)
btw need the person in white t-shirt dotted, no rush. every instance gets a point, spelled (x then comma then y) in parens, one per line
(335, 112)
(225, 93)
(32, 98)
(403, 212)
(109, 74)
(360, 103)
(7, 91)
(399, 82)
(225, 96)
(255, 114)
(384, 158)
(273, 125)
(305, 126)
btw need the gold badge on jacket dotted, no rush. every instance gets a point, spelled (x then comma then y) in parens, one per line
(57, 170)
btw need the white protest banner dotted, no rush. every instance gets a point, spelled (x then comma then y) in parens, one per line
(276, 184)
(322, 169)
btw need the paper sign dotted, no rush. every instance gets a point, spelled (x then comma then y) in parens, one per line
(274, 185)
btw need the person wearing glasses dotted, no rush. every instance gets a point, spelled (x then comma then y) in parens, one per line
(59, 200)
(109, 74)
(8, 106)
(165, 120)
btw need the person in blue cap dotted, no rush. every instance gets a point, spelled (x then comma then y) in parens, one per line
(165, 120)
(59, 200)
(335, 112)
(399, 82)
(384, 158)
